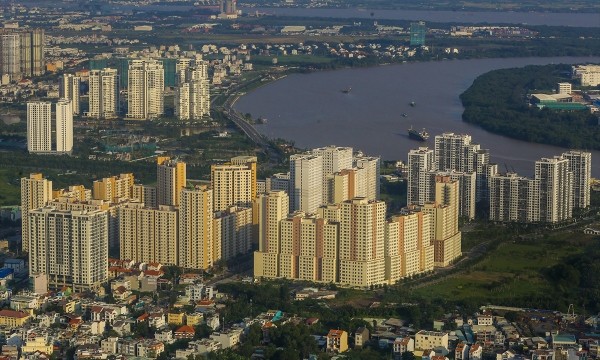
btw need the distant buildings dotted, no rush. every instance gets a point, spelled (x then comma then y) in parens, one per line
(418, 30)
(192, 95)
(21, 53)
(145, 91)
(69, 89)
(46, 136)
(103, 94)
(560, 184)
(588, 75)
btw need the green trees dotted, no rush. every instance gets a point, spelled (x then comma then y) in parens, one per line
(497, 101)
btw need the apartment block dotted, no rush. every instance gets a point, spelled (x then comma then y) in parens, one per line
(69, 89)
(233, 229)
(149, 235)
(171, 179)
(36, 191)
(114, 188)
(444, 211)
(196, 228)
(271, 208)
(145, 91)
(234, 185)
(71, 247)
(306, 182)
(103, 94)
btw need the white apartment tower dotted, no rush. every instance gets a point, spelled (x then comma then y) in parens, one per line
(39, 127)
(192, 95)
(145, 93)
(306, 182)
(70, 247)
(514, 198)
(420, 162)
(556, 189)
(64, 126)
(36, 191)
(69, 89)
(334, 159)
(103, 94)
(580, 164)
(196, 228)
(371, 166)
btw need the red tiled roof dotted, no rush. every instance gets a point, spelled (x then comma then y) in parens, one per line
(185, 329)
(13, 314)
(143, 317)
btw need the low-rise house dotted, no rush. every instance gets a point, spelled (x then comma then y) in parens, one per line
(164, 335)
(337, 341)
(185, 332)
(461, 352)
(361, 337)
(402, 345)
(122, 327)
(200, 347)
(229, 338)
(430, 339)
(475, 352)
(12, 318)
(193, 319)
(175, 318)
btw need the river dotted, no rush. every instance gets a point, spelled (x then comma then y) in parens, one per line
(311, 110)
(440, 16)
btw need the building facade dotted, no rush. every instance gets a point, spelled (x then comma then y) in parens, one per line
(103, 94)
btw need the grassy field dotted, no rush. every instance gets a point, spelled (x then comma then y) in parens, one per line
(9, 188)
(512, 271)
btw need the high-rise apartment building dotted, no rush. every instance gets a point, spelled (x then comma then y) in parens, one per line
(233, 231)
(145, 194)
(467, 190)
(271, 209)
(145, 92)
(334, 159)
(22, 53)
(309, 247)
(306, 182)
(362, 242)
(420, 162)
(409, 250)
(514, 198)
(556, 189)
(64, 126)
(45, 135)
(39, 127)
(171, 179)
(70, 247)
(196, 228)
(114, 188)
(10, 55)
(103, 94)
(234, 184)
(69, 89)
(192, 94)
(36, 191)
(445, 236)
(149, 235)
(580, 164)
(371, 166)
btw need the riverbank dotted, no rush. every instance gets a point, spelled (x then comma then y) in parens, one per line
(310, 110)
